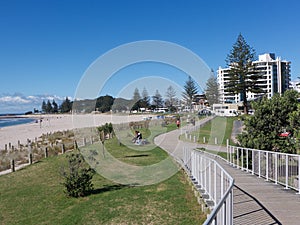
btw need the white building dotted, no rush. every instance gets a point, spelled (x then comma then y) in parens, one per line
(276, 78)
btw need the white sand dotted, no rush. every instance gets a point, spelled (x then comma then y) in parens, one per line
(51, 123)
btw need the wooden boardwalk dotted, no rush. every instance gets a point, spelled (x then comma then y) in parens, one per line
(256, 201)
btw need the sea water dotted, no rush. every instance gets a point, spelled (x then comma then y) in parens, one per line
(11, 121)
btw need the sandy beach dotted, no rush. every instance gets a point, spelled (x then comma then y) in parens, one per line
(60, 122)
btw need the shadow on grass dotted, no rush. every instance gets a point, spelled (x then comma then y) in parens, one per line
(134, 156)
(108, 188)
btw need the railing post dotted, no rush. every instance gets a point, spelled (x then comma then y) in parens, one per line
(247, 159)
(258, 163)
(299, 174)
(286, 172)
(276, 167)
(242, 158)
(215, 183)
(237, 158)
(267, 166)
(252, 161)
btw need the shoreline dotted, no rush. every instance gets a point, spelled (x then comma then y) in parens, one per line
(57, 122)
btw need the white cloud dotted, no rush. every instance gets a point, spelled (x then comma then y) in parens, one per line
(19, 103)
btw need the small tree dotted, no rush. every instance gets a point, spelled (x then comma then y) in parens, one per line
(170, 97)
(78, 176)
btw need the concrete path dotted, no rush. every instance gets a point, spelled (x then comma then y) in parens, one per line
(256, 201)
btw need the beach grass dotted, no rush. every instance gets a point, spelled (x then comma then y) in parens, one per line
(35, 195)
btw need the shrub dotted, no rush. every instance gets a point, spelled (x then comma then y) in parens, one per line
(78, 176)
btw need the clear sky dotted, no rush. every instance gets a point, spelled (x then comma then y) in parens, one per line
(47, 45)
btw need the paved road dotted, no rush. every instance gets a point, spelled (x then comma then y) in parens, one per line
(255, 200)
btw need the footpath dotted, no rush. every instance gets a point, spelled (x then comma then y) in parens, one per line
(256, 201)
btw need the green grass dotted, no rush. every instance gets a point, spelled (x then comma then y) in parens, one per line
(219, 127)
(34, 195)
(222, 154)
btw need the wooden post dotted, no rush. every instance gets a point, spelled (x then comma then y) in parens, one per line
(12, 165)
(204, 140)
(46, 152)
(216, 141)
(84, 141)
(19, 144)
(9, 145)
(63, 148)
(30, 158)
(5, 147)
(92, 141)
(75, 145)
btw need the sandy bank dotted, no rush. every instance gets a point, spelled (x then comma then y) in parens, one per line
(51, 123)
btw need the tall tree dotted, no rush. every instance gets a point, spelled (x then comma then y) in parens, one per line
(145, 103)
(243, 76)
(157, 100)
(44, 106)
(136, 99)
(54, 107)
(48, 107)
(66, 106)
(190, 90)
(104, 103)
(170, 96)
(212, 90)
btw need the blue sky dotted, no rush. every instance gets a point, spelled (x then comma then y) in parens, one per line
(47, 45)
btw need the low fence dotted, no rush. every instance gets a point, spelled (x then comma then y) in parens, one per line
(281, 168)
(214, 184)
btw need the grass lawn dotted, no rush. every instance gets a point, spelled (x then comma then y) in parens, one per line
(219, 127)
(34, 195)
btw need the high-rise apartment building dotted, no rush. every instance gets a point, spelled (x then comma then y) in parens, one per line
(276, 78)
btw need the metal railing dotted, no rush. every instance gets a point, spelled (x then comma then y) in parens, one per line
(214, 184)
(281, 168)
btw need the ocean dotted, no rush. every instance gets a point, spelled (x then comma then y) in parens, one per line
(6, 121)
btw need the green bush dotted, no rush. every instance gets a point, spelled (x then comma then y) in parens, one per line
(78, 176)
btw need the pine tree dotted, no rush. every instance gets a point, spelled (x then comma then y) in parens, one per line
(44, 107)
(190, 90)
(54, 107)
(212, 90)
(136, 99)
(48, 107)
(66, 106)
(145, 103)
(243, 76)
(157, 100)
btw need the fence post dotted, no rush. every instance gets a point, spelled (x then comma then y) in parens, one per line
(276, 167)
(75, 145)
(46, 152)
(30, 158)
(63, 148)
(203, 140)
(252, 162)
(216, 141)
(267, 166)
(258, 163)
(299, 174)
(286, 172)
(12, 165)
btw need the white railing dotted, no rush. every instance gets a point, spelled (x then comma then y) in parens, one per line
(214, 184)
(280, 168)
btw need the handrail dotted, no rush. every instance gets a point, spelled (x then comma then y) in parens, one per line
(204, 172)
(280, 168)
